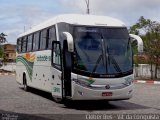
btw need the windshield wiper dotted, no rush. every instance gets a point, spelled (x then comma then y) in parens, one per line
(101, 56)
(116, 66)
(98, 60)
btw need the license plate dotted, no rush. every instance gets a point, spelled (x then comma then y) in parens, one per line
(107, 94)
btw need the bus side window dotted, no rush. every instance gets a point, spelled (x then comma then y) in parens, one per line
(29, 43)
(57, 55)
(24, 44)
(19, 45)
(43, 39)
(52, 37)
(36, 41)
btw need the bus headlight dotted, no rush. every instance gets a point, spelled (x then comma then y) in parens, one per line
(127, 83)
(82, 83)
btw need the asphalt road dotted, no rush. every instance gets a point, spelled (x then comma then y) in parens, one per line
(18, 104)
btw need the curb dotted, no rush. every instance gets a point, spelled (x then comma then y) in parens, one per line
(7, 74)
(147, 81)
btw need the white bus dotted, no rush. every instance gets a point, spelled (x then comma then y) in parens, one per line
(78, 57)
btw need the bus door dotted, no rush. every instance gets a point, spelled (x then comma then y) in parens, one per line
(67, 65)
(64, 66)
(56, 71)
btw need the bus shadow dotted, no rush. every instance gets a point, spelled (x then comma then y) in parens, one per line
(40, 93)
(91, 105)
(103, 105)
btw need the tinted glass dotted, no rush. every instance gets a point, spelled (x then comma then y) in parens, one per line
(52, 37)
(36, 41)
(29, 43)
(19, 45)
(43, 39)
(24, 44)
(102, 50)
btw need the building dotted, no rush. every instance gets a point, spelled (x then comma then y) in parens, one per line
(9, 52)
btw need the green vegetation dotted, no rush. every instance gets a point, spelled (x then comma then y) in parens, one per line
(1, 52)
(2, 40)
(150, 33)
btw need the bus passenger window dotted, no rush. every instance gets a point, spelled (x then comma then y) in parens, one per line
(36, 41)
(57, 56)
(19, 45)
(52, 37)
(43, 39)
(29, 43)
(24, 44)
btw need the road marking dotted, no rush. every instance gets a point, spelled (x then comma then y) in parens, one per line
(147, 81)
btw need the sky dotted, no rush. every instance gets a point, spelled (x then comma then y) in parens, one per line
(19, 15)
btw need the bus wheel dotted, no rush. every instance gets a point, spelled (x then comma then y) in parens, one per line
(25, 83)
(57, 100)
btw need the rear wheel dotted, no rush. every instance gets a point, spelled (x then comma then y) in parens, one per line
(25, 83)
(57, 100)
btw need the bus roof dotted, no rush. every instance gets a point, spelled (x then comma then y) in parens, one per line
(77, 19)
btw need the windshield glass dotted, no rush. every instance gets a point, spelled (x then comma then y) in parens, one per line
(102, 50)
(88, 44)
(118, 49)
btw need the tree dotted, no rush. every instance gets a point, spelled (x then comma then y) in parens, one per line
(2, 38)
(1, 52)
(150, 33)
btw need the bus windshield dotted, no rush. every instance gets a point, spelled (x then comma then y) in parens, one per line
(102, 50)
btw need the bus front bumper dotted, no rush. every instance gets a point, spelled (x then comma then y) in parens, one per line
(84, 93)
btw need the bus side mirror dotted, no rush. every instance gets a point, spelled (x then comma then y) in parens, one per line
(139, 41)
(70, 42)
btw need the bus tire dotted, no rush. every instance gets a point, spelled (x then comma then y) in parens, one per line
(57, 100)
(25, 86)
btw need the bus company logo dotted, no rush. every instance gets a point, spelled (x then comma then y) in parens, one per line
(108, 76)
(28, 60)
(43, 58)
(107, 86)
(29, 57)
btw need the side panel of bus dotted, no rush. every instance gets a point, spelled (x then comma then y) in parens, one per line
(41, 77)
(37, 68)
(19, 70)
